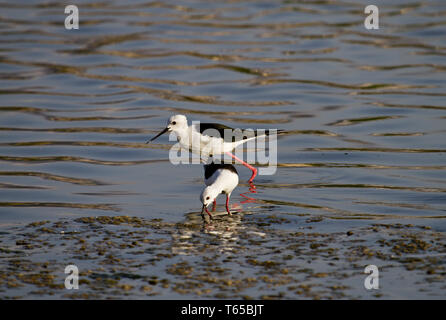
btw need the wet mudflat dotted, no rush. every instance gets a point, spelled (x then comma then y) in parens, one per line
(242, 257)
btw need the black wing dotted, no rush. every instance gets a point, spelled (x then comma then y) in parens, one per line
(215, 126)
(233, 135)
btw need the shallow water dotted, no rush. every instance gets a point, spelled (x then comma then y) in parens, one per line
(364, 112)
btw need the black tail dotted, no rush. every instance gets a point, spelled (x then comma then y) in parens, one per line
(279, 132)
(269, 131)
(249, 133)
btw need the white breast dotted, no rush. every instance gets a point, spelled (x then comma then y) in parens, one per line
(225, 179)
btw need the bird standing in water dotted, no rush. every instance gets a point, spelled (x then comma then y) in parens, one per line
(208, 139)
(219, 178)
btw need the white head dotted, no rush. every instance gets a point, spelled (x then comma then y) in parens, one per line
(209, 194)
(176, 123)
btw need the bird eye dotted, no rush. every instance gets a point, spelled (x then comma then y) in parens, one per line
(174, 122)
(207, 198)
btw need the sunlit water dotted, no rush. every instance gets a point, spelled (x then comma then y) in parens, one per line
(364, 110)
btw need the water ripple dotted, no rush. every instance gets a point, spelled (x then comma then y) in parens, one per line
(363, 109)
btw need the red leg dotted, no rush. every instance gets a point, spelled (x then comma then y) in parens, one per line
(214, 206)
(227, 204)
(254, 170)
(210, 215)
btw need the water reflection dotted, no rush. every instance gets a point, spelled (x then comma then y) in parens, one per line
(224, 231)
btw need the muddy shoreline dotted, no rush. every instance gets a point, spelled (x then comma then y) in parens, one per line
(241, 257)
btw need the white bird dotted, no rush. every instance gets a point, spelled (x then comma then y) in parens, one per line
(219, 178)
(208, 139)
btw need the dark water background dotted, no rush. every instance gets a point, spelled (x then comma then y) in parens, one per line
(364, 109)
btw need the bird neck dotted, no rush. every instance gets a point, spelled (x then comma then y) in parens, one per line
(182, 134)
(182, 131)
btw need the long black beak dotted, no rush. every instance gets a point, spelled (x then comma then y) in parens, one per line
(205, 209)
(162, 132)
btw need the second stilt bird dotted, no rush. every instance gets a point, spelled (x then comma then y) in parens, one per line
(218, 178)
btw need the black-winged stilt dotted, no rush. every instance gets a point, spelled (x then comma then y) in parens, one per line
(218, 178)
(208, 139)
